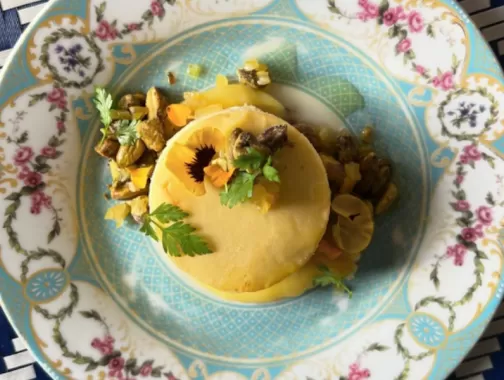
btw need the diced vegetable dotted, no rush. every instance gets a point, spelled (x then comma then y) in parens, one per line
(218, 176)
(139, 208)
(179, 114)
(194, 70)
(140, 176)
(118, 174)
(118, 213)
(265, 194)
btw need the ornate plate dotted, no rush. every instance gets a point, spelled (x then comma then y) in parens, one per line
(96, 302)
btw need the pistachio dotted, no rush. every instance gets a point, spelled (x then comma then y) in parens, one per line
(346, 149)
(131, 100)
(128, 154)
(107, 148)
(156, 104)
(274, 138)
(125, 191)
(152, 134)
(254, 74)
(139, 208)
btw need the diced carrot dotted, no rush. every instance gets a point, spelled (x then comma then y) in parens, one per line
(330, 250)
(179, 114)
(218, 176)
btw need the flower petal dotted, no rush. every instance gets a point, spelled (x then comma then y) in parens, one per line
(176, 162)
(207, 136)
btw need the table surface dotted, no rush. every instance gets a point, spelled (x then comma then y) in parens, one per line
(484, 362)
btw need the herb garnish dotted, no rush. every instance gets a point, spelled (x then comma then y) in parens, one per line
(329, 278)
(178, 238)
(239, 190)
(126, 132)
(103, 101)
(251, 165)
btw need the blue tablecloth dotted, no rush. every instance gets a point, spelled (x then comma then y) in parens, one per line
(485, 362)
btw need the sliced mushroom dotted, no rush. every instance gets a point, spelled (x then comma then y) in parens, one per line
(131, 100)
(128, 154)
(152, 134)
(239, 142)
(107, 148)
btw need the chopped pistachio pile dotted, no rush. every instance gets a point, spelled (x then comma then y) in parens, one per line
(133, 134)
(252, 157)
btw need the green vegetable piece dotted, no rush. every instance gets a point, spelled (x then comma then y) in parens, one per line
(194, 70)
(178, 238)
(126, 132)
(103, 102)
(329, 278)
(269, 172)
(239, 190)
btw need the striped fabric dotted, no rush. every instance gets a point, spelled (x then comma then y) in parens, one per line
(484, 362)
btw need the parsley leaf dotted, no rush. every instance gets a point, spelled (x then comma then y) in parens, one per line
(239, 190)
(269, 172)
(252, 160)
(126, 132)
(178, 238)
(103, 102)
(166, 213)
(329, 278)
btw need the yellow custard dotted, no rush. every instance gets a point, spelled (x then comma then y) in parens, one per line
(252, 250)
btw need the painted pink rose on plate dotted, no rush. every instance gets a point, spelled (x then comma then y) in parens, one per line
(472, 152)
(458, 252)
(404, 45)
(462, 205)
(23, 155)
(105, 31)
(415, 22)
(157, 9)
(49, 152)
(484, 214)
(392, 15)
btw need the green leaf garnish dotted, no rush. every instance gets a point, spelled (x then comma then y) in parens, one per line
(103, 101)
(269, 172)
(178, 238)
(239, 190)
(329, 278)
(126, 132)
(252, 160)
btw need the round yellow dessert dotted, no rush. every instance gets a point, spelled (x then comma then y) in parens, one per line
(252, 250)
